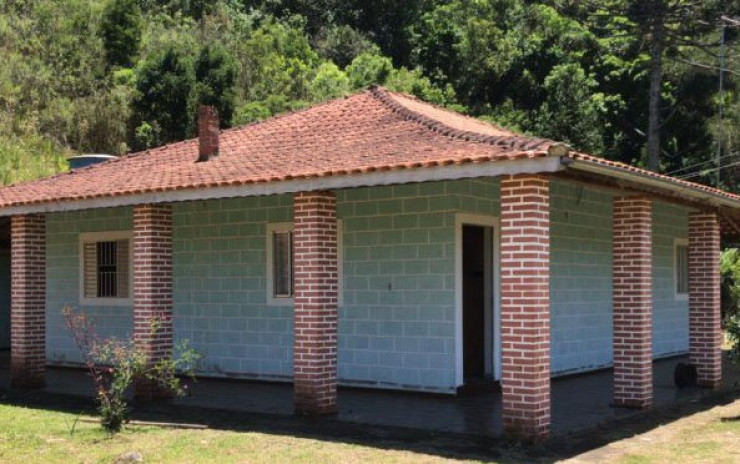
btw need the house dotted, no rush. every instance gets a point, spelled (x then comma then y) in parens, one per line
(375, 241)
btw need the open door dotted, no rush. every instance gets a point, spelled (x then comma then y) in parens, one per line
(477, 303)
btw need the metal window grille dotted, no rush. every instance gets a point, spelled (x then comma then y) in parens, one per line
(106, 269)
(283, 264)
(682, 269)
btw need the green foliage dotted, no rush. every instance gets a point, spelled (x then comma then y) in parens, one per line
(573, 109)
(26, 158)
(732, 328)
(329, 82)
(342, 44)
(730, 280)
(120, 29)
(114, 75)
(116, 364)
(279, 61)
(415, 83)
(164, 90)
(368, 69)
(215, 72)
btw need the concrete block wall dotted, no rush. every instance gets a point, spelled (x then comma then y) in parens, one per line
(581, 278)
(670, 313)
(396, 314)
(396, 322)
(220, 297)
(63, 283)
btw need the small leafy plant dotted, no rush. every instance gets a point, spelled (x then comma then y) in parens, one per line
(732, 328)
(116, 364)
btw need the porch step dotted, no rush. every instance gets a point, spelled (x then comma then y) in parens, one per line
(479, 386)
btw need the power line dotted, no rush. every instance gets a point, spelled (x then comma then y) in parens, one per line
(685, 168)
(707, 171)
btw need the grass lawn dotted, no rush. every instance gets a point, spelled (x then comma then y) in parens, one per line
(30, 435)
(711, 436)
(37, 435)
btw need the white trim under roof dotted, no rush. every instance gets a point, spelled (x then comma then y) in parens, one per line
(686, 191)
(542, 164)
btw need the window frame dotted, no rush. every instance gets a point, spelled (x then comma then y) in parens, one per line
(105, 236)
(282, 227)
(680, 242)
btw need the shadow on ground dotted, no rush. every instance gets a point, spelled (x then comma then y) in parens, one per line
(443, 444)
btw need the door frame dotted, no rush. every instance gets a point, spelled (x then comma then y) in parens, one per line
(493, 323)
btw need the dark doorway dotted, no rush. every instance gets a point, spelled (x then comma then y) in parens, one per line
(477, 310)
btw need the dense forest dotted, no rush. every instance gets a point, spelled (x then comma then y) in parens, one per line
(631, 80)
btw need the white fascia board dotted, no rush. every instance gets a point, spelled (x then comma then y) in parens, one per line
(544, 164)
(685, 191)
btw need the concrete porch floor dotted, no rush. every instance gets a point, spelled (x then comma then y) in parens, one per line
(578, 402)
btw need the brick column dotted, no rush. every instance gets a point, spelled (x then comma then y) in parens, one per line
(633, 302)
(525, 305)
(315, 303)
(28, 301)
(705, 332)
(152, 257)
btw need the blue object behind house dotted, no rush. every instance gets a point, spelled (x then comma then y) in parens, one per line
(81, 161)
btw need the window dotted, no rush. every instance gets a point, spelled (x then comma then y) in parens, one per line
(681, 251)
(282, 264)
(105, 260)
(280, 282)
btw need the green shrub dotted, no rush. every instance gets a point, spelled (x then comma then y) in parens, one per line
(116, 364)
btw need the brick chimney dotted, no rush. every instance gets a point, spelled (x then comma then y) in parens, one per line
(207, 133)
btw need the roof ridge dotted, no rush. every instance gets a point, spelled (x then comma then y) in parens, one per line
(505, 141)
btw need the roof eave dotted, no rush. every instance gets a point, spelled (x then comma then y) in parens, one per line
(536, 163)
(685, 191)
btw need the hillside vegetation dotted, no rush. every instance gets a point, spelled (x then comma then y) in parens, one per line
(112, 76)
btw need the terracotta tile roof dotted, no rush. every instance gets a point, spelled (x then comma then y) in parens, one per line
(375, 130)
(653, 175)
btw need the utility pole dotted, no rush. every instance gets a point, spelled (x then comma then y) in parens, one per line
(725, 22)
(721, 98)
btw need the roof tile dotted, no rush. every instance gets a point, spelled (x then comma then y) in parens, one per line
(376, 130)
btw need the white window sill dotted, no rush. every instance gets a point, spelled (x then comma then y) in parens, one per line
(106, 302)
(280, 301)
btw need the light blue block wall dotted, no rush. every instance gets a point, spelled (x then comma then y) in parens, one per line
(396, 320)
(670, 314)
(63, 281)
(581, 278)
(219, 282)
(4, 299)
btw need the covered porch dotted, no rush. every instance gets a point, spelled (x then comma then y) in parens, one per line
(522, 296)
(579, 402)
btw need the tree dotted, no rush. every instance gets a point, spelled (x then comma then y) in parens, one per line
(368, 69)
(342, 44)
(164, 91)
(120, 30)
(329, 82)
(665, 28)
(215, 73)
(573, 108)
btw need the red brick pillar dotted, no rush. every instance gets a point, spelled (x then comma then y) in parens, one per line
(28, 301)
(525, 305)
(152, 248)
(633, 302)
(705, 332)
(315, 303)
